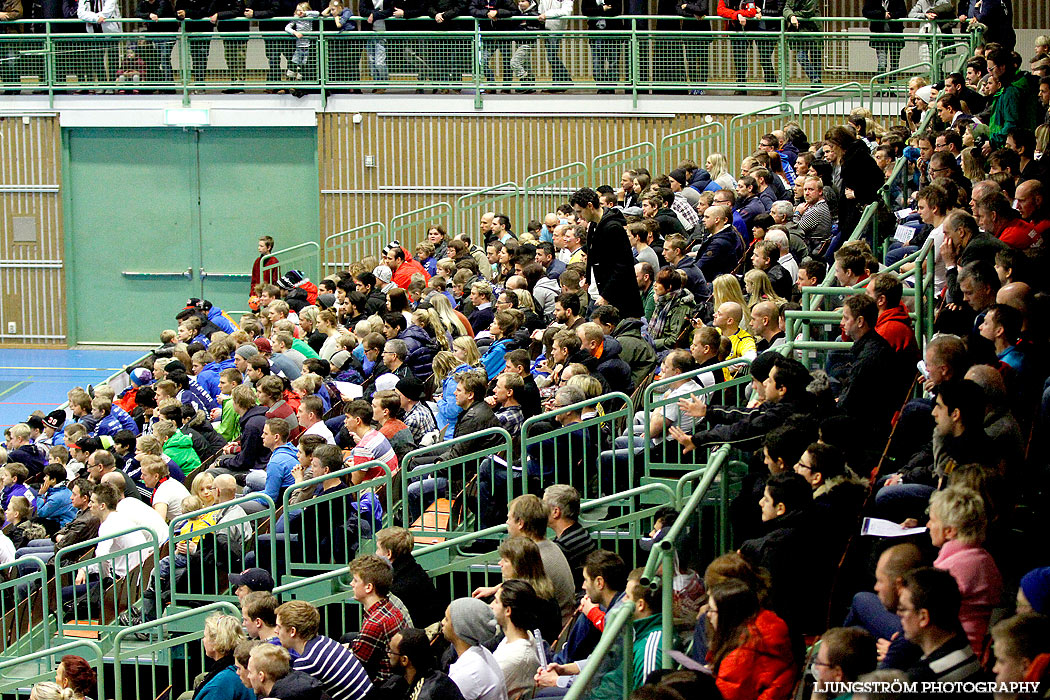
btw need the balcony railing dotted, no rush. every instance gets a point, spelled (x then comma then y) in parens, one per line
(632, 55)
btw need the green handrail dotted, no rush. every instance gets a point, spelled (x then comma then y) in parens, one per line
(9, 683)
(309, 251)
(697, 137)
(534, 185)
(329, 247)
(405, 220)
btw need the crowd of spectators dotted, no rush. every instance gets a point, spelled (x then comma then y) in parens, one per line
(665, 275)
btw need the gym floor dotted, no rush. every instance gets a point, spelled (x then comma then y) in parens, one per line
(40, 379)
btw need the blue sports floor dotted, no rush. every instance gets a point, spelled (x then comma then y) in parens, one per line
(40, 379)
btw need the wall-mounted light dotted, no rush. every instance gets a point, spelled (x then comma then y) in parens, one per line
(187, 116)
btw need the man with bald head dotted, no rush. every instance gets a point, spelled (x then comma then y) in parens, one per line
(1033, 205)
(765, 324)
(486, 226)
(727, 320)
(721, 250)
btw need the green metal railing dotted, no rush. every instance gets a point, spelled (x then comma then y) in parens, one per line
(303, 256)
(499, 199)
(618, 637)
(341, 249)
(18, 675)
(420, 473)
(25, 610)
(171, 656)
(618, 160)
(546, 446)
(545, 190)
(674, 54)
(230, 541)
(667, 455)
(410, 227)
(692, 143)
(747, 129)
(97, 613)
(347, 515)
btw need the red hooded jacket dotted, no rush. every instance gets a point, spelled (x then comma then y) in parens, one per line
(895, 326)
(402, 277)
(763, 667)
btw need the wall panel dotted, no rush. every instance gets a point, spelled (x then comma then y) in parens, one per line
(32, 281)
(423, 159)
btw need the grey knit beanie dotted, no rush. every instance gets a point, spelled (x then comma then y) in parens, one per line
(472, 620)
(246, 352)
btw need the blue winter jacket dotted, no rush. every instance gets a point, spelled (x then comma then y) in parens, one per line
(279, 470)
(216, 316)
(224, 685)
(126, 421)
(494, 358)
(109, 425)
(209, 378)
(448, 410)
(57, 505)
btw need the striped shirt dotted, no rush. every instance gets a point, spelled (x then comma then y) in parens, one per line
(953, 661)
(576, 544)
(686, 214)
(341, 674)
(374, 446)
(382, 621)
(815, 222)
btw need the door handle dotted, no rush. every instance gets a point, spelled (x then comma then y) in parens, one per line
(188, 274)
(225, 275)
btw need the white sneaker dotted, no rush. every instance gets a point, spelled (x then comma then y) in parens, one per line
(290, 73)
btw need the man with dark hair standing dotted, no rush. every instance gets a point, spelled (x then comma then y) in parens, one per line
(272, 274)
(871, 394)
(609, 257)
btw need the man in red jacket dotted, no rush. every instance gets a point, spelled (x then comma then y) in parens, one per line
(271, 276)
(402, 266)
(894, 323)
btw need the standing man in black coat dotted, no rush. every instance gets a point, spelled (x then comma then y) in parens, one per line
(887, 51)
(609, 256)
(861, 176)
(875, 389)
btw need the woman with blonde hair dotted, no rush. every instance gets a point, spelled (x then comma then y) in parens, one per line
(222, 633)
(971, 165)
(717, 167)
(49, 690)
(453, 321)
(759, 288)
(727, 288)
(466, 351)
(446, 367)
(428, 321)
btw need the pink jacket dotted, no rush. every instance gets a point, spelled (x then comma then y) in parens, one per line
(980, 585)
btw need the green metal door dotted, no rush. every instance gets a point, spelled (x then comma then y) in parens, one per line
(155, 216)
(253, 182)
(131, 233)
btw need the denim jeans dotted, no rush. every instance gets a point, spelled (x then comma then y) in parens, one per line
(376, 50)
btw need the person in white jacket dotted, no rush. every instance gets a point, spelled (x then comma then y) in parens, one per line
(551, 12)
(931, 10)
(100, 57)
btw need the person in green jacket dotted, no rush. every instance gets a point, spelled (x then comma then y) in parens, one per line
(800, 17)
(229, 421)
(177, 445)
(636, 350)
(1015, 104)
